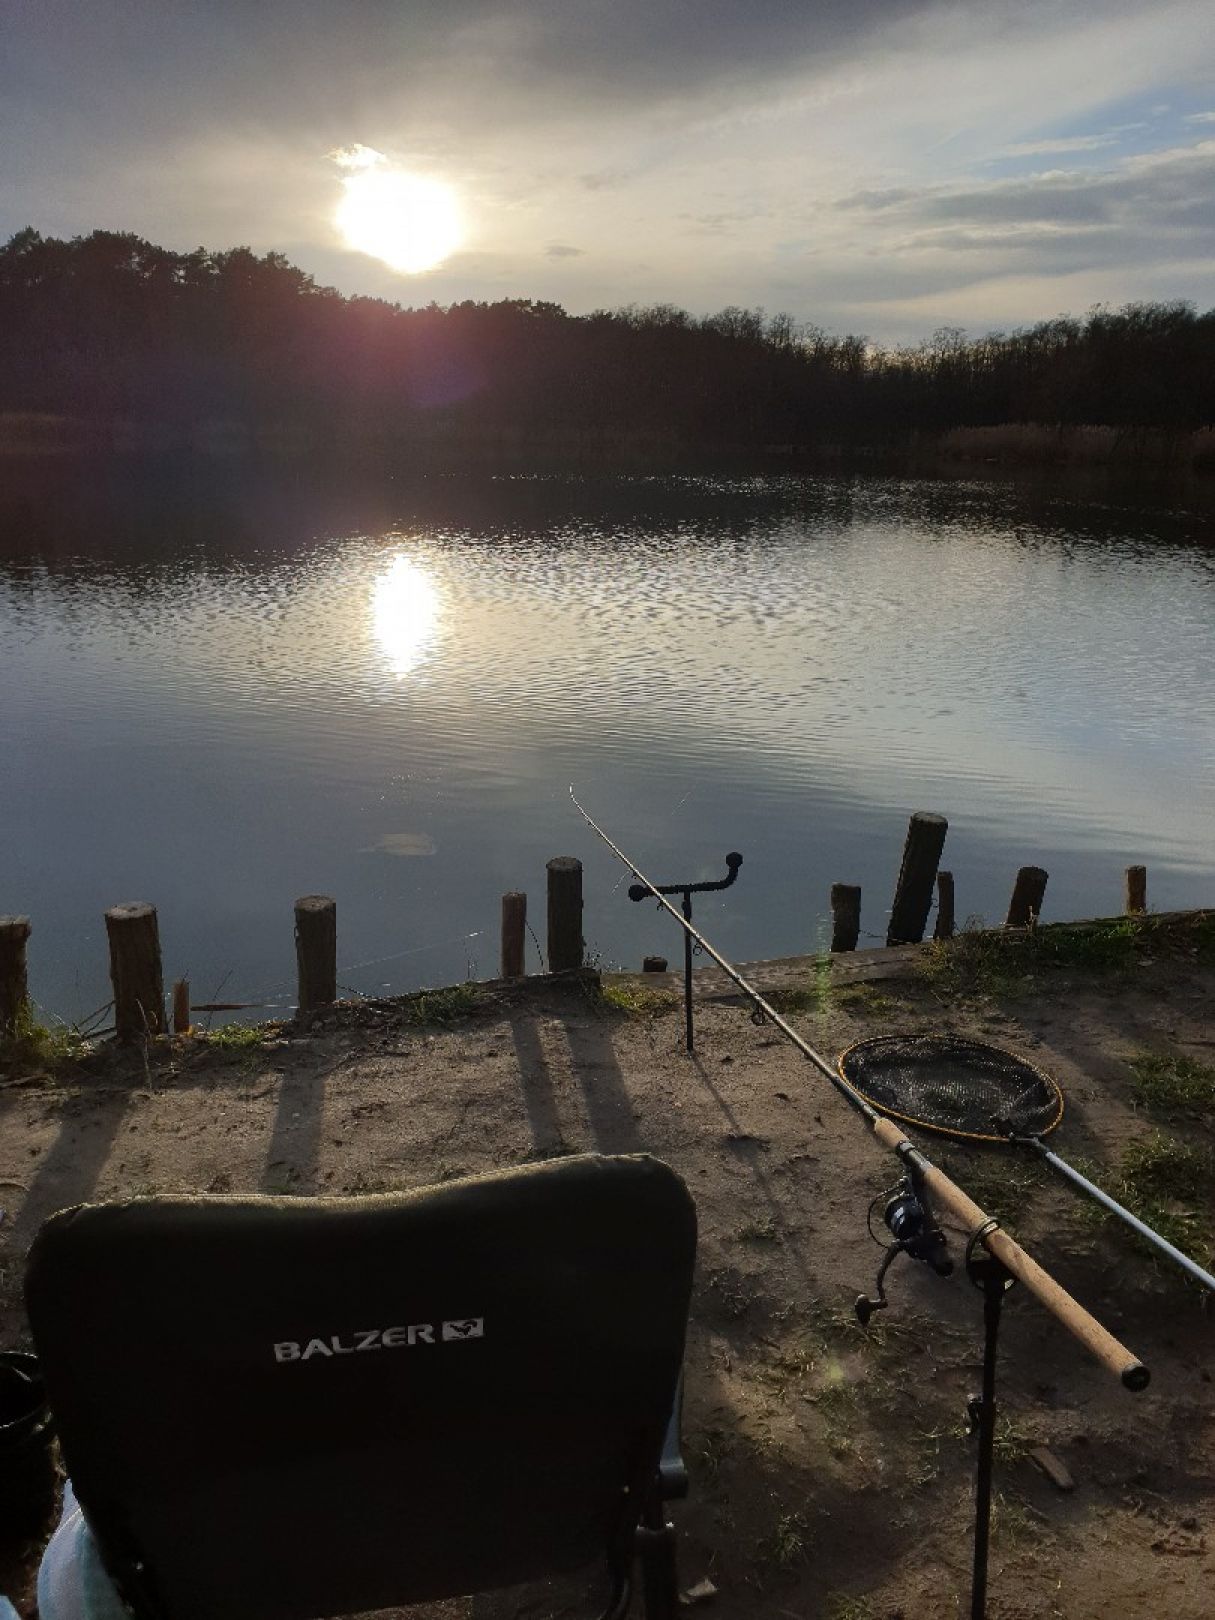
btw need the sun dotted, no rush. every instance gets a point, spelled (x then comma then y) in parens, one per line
(409, 221)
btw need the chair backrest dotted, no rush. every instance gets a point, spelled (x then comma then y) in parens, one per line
(274, 1409)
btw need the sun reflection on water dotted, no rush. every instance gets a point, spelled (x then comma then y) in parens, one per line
(404, 614)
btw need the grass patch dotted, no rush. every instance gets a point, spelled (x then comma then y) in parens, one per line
(437, 1007)
(761, 1231)
(999, 1180)
(822, 996)
(786, 1547)
(35, 1045)
(1014, 1522)
(991, 962)
(234, 1037)
(1174, 1086)
(925, 1464)
(636, 1001)
(1169, 1184)
(838, 1404)
(840, 1606)
(864, 1001)
(1011, 1442)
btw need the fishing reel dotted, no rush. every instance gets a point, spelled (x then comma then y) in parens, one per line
(908, 1218)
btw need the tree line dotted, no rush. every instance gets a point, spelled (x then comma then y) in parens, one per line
(110, 328)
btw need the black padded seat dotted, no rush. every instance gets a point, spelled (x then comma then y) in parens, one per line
(280, 1408)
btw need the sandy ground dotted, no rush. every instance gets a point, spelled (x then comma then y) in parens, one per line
(830, 1470)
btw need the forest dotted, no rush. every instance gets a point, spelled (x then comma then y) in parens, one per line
(108, 331)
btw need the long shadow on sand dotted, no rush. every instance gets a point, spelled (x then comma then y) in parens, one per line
(72, 1168)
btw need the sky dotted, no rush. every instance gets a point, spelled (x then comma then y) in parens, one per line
(885, 167)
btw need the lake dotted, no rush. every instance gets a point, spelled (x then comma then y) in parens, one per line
(222, 690)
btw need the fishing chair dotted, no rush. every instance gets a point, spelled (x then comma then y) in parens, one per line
(278, 1409)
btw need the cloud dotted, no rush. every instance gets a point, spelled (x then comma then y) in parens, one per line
(357, 157)
(604, 179)
(1200, 118)
(833, 159)
(1061, 143)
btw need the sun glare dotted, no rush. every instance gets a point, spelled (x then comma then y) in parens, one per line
(404, 614)
(409, 221)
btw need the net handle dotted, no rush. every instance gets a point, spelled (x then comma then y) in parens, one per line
(1079, 1323)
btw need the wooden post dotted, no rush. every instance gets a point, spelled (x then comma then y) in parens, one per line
(316, 950)
(653, 964)
(1026, 902)
(564, 913)
(135, 971)
(945, 920)
(14, 986)
(845, 916)
(514, 934)
(1136, 891)
(913, 892)
(181, 1006)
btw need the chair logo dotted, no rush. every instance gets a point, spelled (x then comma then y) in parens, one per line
(469, 1327)
(392, 1338)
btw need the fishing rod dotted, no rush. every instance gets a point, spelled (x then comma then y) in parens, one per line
(985, 1231)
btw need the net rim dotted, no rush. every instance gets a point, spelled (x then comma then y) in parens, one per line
(875, 1043)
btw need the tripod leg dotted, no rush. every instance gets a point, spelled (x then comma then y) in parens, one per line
(687, 971)
(994, 1284)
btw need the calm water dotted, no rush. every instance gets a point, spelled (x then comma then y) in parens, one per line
(220, 695)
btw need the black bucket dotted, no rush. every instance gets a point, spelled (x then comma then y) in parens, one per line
(27, 1462)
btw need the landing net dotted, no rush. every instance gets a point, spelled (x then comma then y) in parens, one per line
(957, 1087)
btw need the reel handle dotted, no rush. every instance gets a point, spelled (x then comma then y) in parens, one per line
(1081, 1324)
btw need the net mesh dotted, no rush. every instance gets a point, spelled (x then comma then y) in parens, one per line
(958, 1087)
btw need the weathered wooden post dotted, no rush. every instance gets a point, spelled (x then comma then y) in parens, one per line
(1136, 891)
(845, 916)
(1026, 902)
(14, 985)
(135, 971)
(945, 919)
(564, 913)
(913, 892)
(514, 934)
(316, 950)
(181, 1006)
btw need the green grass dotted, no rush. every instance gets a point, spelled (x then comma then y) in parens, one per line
(636, 1001)
(761, 1231)
(1174, 1086)
(1170, 1184)
(822, 996)
(438, 1007)
(1011, 1442)
(234, 1037)
(981, 961)
(35, 1045)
